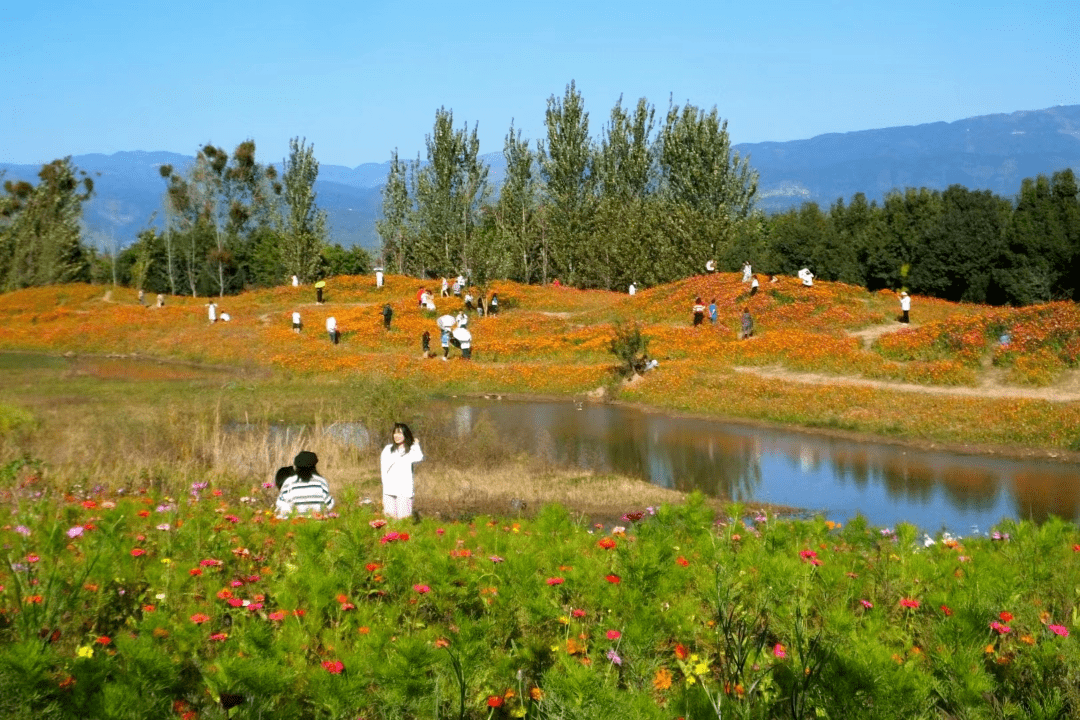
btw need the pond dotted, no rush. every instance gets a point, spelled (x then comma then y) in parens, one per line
(886, 483)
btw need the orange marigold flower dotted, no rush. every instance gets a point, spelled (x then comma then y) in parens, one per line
(536, 694)
(662, 679)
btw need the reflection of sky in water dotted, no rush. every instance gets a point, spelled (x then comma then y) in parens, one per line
(887, 484)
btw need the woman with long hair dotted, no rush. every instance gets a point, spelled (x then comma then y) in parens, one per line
(397, 472)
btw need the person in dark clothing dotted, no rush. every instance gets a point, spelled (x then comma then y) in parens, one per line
(387, 314)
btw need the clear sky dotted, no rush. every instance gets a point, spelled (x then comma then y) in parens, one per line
(360, 78)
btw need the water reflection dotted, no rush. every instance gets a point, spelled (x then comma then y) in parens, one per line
(888, 484)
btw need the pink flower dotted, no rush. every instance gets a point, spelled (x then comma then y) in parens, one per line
(390, 537)
(554, 581)
(909, 603)
(867, 604)
(334, 667)
(137, 552)
(578, 613)
(1001, 629)
(199, 618)
(235, 602)
(779, 651)
(613, 634)
(421, 589)
(377, 523)
(210, 562)
(1059, 630)
(219, 637)
(277, 615)
(232, 518)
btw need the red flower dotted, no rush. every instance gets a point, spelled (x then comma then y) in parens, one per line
(613, 579)
(34, 599)
(554, 581)
(495, 701)
(372, 567)
(607, 543)
(224, 594)
(103, 640)
(89, 504)
(194, 572)
(1006, 616)
(219, 637)
(578, 613)
(199, 618)
(613, 634)
(909, 603)
(681, 652)
(144, 513)
(334, 667)
(210, 562)
(235, 602)
(947, 610)
(277, 615)
(148, 608)
(682, 561)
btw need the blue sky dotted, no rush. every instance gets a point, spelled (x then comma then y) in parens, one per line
(359, 79)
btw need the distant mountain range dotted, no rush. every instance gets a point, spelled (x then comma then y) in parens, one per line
(990, 152)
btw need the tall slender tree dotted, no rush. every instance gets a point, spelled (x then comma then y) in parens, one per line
(304, 224)
(567, 161)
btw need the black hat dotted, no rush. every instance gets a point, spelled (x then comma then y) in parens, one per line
(305, 459)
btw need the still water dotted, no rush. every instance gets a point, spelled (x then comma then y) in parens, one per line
(888, 484)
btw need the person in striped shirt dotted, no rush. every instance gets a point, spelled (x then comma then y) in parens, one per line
(306, 492)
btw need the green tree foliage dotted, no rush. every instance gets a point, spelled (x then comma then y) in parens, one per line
(214, 214)
(396, 212)
(450, 189)
(40, 239)
(566, 162)
(516, 237)
(303, 234)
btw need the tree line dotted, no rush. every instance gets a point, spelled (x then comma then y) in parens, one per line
(654, 199)
(230, 223)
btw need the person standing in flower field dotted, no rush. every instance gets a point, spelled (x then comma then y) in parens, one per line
(396, 464)
(905, 307)
(332, 329)
(712, 311)
(306, 491)
(699, 311)
(387, 315)
(747, 324)
(296, 321)
(211, 311)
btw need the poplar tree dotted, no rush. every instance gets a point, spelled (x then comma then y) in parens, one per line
(396, 209)
(567, 167)
(515, 212)
(303, 236)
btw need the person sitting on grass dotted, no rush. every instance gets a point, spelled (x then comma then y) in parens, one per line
(305, 492)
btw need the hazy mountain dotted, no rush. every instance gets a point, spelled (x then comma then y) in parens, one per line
(990, 152)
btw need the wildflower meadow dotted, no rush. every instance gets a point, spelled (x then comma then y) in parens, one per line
(134, 605)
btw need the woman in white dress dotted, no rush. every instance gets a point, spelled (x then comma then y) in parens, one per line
(396, 464)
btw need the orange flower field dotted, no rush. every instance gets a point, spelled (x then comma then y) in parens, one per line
(555, 340)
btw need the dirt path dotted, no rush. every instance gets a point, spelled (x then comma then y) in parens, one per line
(991, 384)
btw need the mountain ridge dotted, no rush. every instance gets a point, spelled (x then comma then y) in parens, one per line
(987, 152)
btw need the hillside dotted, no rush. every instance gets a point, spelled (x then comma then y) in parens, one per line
(832, 356)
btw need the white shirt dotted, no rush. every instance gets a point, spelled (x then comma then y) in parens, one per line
(212, 310)
(633, 290)
(331, 324)
(304, 496)
(397, 470)
(905, 303)
(295, 281)
(296, 318)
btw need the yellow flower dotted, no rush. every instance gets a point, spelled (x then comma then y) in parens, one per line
(166, 561)
(85, 652)
(564, 620)
(701, 668)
